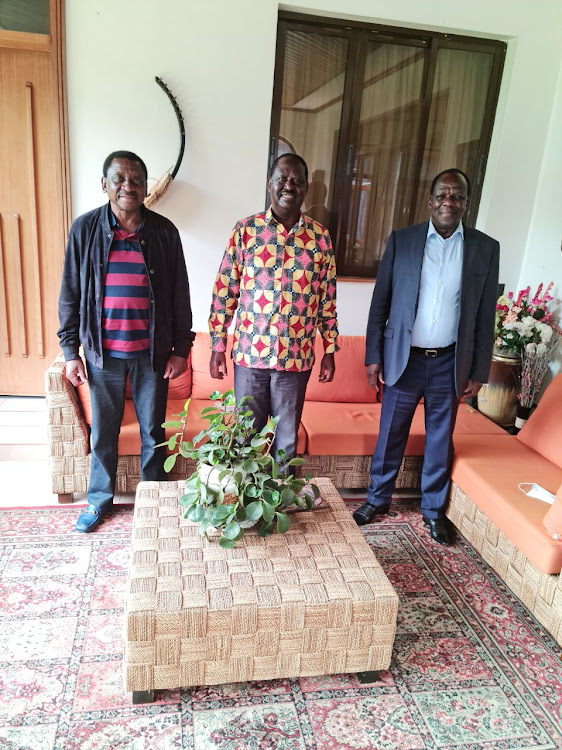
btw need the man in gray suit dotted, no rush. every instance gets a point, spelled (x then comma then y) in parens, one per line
(430, 334)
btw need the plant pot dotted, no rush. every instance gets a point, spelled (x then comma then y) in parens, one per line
(209, 475)
(497, 398)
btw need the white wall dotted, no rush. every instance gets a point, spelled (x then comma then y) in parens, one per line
(218, 59)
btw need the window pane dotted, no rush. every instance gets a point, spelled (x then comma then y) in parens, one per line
(456, 117)
(385, 152)
(313, 84)
(25, 15)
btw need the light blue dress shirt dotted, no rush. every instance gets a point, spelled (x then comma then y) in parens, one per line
(439, 300)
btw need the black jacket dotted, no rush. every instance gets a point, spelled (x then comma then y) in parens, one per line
(83, 282)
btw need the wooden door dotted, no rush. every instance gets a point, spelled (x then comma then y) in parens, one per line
(33, 205)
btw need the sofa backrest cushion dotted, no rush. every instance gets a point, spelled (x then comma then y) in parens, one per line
(202, 382)
(552, 522)
(178, 388)
(350, 381)
(543, 431)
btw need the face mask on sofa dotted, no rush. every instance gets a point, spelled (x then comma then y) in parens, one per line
(535, 490)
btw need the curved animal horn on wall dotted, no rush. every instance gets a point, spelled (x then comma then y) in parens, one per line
(165, 181)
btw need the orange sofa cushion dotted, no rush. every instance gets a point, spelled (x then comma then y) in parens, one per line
(350, 381)
(130, 440)
(203, 384)
(178, 388)
(489, 469)
(353, 429)
(552, 522)
(543, 430)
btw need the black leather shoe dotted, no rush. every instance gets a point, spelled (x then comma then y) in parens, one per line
(367, 512)
(438, 530)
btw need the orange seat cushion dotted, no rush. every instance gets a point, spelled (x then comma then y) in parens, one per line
(178, 388)
(202, 382)
(353, 429)
(350, 380)
(489, 469)
(130, 440)
(543, 430)
(552, 522)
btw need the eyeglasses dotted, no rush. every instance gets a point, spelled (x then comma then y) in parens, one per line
(454, 197)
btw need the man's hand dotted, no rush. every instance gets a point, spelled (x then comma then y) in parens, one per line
(175, 366)
(217, 365)
(327, 368)
(374, 374)
(75, 372)
(472, 388)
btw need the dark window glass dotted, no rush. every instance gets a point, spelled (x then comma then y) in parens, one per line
(377, 112)
(31, 16)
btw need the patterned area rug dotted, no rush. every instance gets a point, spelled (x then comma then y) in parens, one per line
(471, 670)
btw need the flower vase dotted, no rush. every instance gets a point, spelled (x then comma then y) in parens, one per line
(497, 398)
(521, 416)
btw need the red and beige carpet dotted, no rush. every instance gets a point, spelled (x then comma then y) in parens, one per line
(472, 670)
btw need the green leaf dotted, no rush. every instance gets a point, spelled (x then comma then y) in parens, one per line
(189, 498)
(204, 525)
(232, 530)
(227, 543)
(287, 497)
(265, 529)
(215, 396)
(250, 466)
(283, 523)
(271, 496)
(170, 462)
(186, 452)
(315, 490)
(254, 511)
(258, 442)
(268, 512)
(209, 410)
(172, 442)
(172, 423)
(296, 462)
(251, 491)
(196, 513)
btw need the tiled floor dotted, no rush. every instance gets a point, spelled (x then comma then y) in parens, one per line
(25, 479)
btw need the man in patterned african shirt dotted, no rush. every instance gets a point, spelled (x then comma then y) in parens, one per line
(279, 272)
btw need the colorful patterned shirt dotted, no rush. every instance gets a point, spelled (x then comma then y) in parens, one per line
(284, 287)
(125, 304)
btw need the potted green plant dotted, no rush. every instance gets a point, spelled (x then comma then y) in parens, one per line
(237, 483)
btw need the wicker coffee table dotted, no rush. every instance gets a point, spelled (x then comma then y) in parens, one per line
(309, 602)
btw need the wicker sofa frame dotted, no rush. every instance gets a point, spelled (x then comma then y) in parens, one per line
(69, 451)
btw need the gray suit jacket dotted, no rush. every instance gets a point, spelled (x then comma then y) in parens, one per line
(395, 302)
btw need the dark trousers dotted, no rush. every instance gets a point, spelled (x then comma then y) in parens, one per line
(274, 393)
(434, 380)
(107, 391)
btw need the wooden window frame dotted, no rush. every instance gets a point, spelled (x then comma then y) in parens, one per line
(358, 33)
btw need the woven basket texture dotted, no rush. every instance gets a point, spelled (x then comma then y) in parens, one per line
(540, 592)
(312, 601)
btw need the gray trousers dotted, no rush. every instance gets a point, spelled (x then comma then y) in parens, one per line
(274, 393)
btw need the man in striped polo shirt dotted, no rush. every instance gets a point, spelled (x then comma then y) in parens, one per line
(125, 299)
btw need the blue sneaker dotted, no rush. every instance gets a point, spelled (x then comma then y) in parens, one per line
(90, 518)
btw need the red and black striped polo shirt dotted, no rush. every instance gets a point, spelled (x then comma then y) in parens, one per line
(125, 305)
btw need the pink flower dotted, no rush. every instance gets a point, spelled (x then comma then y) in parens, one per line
(510, 295)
